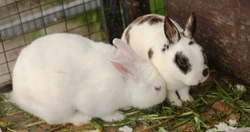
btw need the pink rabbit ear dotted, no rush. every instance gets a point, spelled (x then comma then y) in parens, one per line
(126, 50)
(123, 67)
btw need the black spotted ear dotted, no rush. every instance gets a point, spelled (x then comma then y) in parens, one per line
(171, 32)
(190, 26)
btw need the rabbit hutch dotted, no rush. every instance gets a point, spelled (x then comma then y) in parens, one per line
(222, 29)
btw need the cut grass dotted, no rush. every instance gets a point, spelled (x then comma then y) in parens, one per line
(218, 101)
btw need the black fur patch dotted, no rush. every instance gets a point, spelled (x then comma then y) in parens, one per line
(145, 19)
(150, 53)
(182, 62)
(155, 20)
(127, 34)
(150, 19)
(191, 43)
(165, 47)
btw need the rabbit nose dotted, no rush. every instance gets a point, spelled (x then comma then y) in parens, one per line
(157, 88)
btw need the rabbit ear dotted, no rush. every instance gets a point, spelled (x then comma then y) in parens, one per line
(123, 67)
(190, 26)
(125, 50)
(171, 31)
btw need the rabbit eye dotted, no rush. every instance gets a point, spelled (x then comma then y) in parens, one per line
(158, 88)
(182, 62)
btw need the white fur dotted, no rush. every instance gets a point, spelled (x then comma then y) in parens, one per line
(145, 36)
(66, 78)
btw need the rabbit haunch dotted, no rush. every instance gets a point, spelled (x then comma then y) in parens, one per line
(173, 51)
(66, 78)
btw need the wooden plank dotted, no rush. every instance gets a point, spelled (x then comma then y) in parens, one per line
(112, 18)
(223, 29)
(6, 87)
(133, 9)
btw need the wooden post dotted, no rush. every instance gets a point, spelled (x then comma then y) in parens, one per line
(5, 87)
(223, 29)
(134, 8)
(112, 18)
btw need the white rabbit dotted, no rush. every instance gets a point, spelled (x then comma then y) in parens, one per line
(66, 78)
(173, 51)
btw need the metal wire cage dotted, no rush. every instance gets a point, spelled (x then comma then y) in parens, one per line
(22, 21)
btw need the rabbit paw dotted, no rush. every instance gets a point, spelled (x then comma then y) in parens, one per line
(176, 102)
(116, 116)
(78, 119)
(174, 99)
(184, 94)
(187, 98)
(127, 108)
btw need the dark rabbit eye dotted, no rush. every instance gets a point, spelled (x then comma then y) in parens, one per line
(182, 62)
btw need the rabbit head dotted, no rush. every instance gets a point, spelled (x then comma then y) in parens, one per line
(144, 84)
(188, 63)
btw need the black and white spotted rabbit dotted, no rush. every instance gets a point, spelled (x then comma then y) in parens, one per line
(173, 51)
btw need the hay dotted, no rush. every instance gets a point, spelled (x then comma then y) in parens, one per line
(219, 101)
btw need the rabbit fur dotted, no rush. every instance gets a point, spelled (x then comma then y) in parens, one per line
(66, 78)
(173, 51)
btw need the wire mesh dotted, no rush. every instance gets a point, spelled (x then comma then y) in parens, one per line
(22, 21)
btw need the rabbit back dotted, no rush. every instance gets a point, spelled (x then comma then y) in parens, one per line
(53, 78)
(66, 78)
